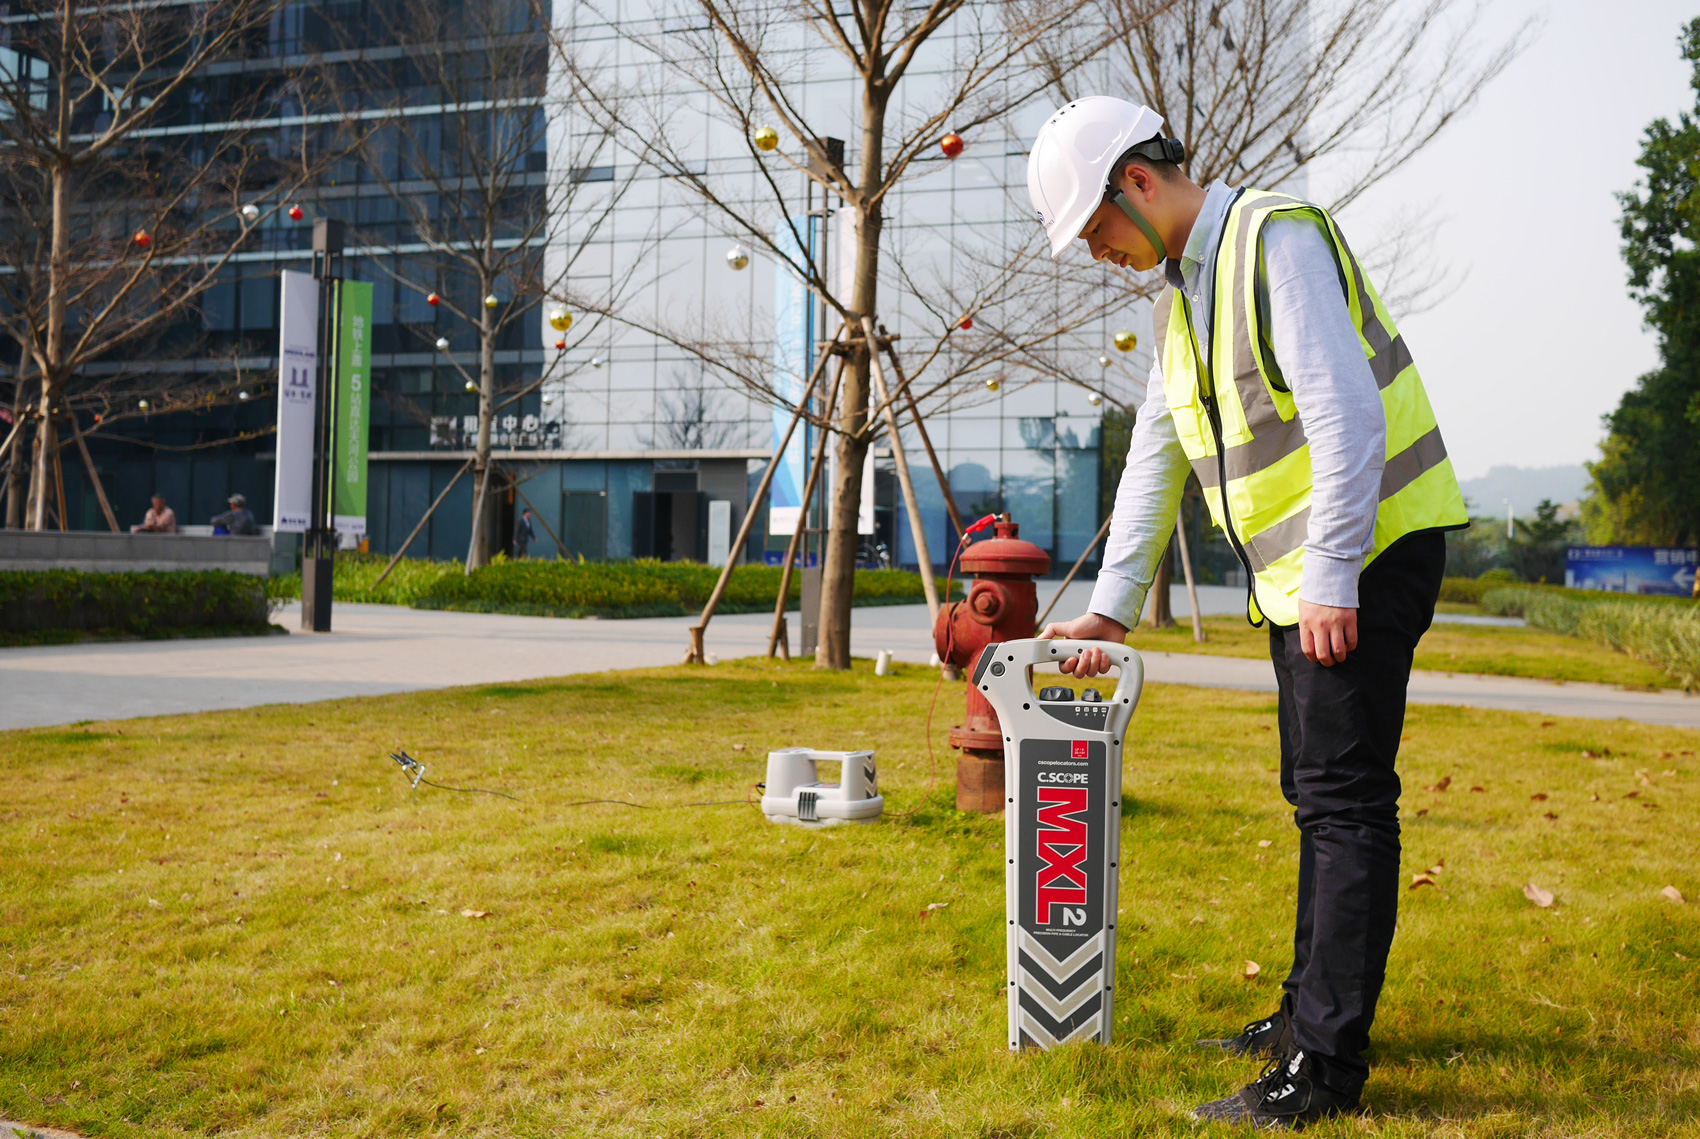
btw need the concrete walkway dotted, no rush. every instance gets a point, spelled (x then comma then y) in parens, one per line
(378, 649)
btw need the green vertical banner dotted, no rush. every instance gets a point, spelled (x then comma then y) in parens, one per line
(353, 407)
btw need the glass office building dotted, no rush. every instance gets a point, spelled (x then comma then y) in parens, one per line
(629, 438)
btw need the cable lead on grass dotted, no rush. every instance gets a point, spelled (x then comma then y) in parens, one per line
(415, 771)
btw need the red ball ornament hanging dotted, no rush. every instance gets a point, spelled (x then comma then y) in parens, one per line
(967, 323)
(143, 239)
(433, 299)
(296, 213)
(951, 144)
(561, 344)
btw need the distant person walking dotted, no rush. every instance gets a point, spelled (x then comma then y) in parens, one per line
(238, 520)
(523, 534)
(158, 520)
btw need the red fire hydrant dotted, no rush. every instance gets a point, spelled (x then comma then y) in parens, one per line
(1001, 606)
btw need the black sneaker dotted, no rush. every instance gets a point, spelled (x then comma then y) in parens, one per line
(1261, 1039)
(1289, 1094)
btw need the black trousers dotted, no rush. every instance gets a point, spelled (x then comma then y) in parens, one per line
(1340, 731)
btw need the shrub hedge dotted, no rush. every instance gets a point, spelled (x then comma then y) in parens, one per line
(645, 588)
(1662, 631)
(1462, 590)
(152, 603)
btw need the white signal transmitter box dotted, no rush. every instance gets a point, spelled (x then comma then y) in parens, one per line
(795, 794)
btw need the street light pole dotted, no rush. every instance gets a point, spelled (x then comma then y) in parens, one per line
(319, 552)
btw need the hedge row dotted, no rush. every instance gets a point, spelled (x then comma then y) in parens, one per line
(644, 588)
(635, 589)
(152, 603)
(1661, 631)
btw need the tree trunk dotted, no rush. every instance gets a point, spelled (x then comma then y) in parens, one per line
(838, 572)
(1161, 617)
(17, 469)
(478, 551)
(58, 270)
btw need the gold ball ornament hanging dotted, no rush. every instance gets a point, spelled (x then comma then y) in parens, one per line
(491, 301)
(1126, 341)
(1094, 398)
(738, 257)
(1103, 361)
(560, 320)
(765, 138)
(470, 386)
(442, 343)
(993, 384)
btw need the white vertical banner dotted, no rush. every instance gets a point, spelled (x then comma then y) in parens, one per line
(719, 531)
(297, 369)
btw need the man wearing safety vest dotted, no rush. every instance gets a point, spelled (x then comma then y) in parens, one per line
(1279, 381)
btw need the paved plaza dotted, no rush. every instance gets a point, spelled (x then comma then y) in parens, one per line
(379, 649)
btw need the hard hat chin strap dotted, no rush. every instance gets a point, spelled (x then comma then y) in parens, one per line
(1144, 226)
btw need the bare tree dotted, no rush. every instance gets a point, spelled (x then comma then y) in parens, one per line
(494, 204)
(125, 194)
(1261, 90)
(918, 76)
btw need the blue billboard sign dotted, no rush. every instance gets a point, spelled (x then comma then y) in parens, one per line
(1632, 569)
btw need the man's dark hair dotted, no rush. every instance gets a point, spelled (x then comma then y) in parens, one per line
(1161, 156)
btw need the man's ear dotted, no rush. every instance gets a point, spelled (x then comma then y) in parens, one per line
(1138, 182)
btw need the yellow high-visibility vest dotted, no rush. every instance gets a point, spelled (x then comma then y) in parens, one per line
(1239, 426)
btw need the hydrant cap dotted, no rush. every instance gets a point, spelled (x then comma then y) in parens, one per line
(1006, 553)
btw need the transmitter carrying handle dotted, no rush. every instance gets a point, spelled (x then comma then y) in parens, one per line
(1002, 672)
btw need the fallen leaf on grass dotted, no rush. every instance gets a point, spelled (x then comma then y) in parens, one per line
(1549, 816)
(1421, 880)
(1478, 787)
(1671, 893)
(937, 905)
(1422, 812)
(1547, 723)
(1539, 797)
(1441, 786)
(1541, 898)
(1633, 795)
(1670, 772)
(1265, 843)
(1252, 969)
(737, 747)
(1594, 798)
(475, 913)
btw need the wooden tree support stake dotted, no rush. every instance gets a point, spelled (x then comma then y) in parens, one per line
(694, 655)
(802, 523)
(917, 528)
(433, 509)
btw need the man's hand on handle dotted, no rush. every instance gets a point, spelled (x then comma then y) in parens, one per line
(1327, 634)
(1092, 627)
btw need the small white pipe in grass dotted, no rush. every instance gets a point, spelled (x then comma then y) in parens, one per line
(882, 663)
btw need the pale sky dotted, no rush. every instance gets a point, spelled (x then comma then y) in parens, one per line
(1540, 339)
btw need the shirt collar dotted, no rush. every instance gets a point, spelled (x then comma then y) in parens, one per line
(1205, 236)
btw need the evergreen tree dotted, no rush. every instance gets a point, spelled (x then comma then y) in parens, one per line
(1646, 484)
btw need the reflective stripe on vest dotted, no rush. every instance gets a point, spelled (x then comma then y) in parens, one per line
(1265, 455)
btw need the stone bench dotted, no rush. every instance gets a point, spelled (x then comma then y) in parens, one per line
(121, 553)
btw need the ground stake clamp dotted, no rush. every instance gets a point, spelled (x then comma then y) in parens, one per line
(1062, 837)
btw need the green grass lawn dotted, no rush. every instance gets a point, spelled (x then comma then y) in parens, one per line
(244, 923)
(1499, 650)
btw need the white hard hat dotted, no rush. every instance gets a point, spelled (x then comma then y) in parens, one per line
(1071, 160)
